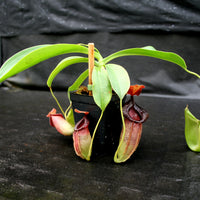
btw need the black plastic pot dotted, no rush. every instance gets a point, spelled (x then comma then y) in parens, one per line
(107, 136)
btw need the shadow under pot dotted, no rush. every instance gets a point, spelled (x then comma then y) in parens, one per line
(107, 135)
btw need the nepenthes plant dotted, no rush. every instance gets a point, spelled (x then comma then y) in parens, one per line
(105, 78)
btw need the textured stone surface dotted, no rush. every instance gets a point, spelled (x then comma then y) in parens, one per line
(38, 163)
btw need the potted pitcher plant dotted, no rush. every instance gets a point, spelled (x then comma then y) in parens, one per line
(103, 115)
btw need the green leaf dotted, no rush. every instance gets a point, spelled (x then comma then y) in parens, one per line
(119, 79)
(151, 52)
(63, 64)
(101, 89)
(36, 54)
(192, 131)
(78, 82)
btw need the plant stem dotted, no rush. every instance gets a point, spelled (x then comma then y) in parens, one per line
(123, 134)
(91, 63)
(70, 105)
(56, 101)
(92, 139)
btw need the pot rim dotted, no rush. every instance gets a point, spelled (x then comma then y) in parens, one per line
(84, 98)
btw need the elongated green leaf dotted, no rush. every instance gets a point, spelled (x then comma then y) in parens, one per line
(192, 131)
(119, 79)
(63, 64)
(151, 52)
(78, 82)
(34, 55)
(101, 89)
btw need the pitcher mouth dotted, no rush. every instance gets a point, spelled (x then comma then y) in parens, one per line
(143, 114)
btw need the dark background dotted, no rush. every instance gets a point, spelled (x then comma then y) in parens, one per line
(168, 25)
(37, 163)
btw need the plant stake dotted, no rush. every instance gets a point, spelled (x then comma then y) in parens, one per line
(90, 65)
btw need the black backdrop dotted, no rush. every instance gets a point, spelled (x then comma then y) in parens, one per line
(64, 16)
(168, 25)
